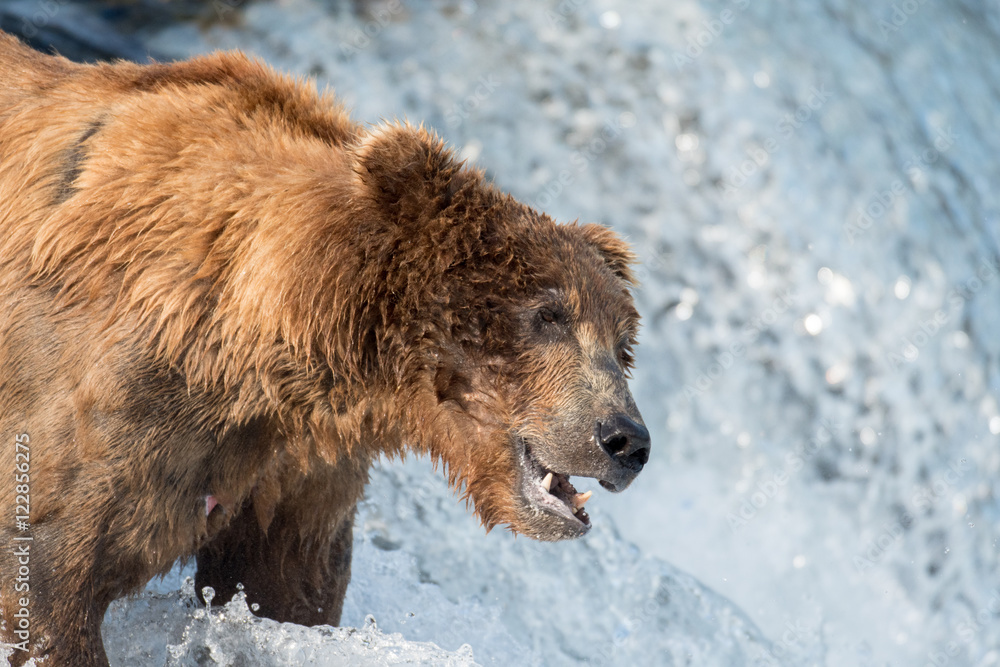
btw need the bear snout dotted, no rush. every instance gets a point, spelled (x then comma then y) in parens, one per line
(625, 440)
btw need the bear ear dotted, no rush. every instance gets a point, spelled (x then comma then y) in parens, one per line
(407, 172)
(615, 251)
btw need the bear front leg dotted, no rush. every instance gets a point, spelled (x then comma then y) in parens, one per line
(61, 610)
(69, 634)
(291, 575)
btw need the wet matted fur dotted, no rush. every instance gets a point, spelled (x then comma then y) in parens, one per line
(221, 299)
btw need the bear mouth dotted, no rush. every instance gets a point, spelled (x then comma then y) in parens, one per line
(552, 492)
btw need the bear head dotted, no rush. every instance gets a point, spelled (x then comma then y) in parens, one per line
(509, 336)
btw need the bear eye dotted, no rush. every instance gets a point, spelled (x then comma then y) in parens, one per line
(550, 315)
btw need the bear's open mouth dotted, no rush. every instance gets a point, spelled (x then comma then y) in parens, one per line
(552, 492)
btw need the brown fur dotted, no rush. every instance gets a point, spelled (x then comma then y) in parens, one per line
(213, 283)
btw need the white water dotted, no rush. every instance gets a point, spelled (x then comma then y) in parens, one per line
(424, 571)
(833, 377)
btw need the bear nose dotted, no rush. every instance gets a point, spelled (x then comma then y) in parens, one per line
(625, 440)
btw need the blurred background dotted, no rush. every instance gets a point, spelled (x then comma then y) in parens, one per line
(812, 191)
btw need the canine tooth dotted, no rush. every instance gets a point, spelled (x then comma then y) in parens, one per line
(547, 482)
(580, 499)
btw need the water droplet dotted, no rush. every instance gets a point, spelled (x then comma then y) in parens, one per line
(683, 311)
(901, 289)
(686, 142)
(255, 607)
(209, 594)
(610, 20)
(187, 587)
(840, 291)
(837, 373)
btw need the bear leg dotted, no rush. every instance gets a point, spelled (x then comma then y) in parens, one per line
(62, 611)
(291, 577)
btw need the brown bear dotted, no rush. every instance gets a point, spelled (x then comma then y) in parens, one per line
(221, 300)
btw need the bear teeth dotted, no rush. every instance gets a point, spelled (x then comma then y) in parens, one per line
(560, 488)
(547, 482)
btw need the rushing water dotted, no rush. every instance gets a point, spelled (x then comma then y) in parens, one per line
(812, 190)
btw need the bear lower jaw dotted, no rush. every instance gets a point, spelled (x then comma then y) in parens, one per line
(555, 507)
